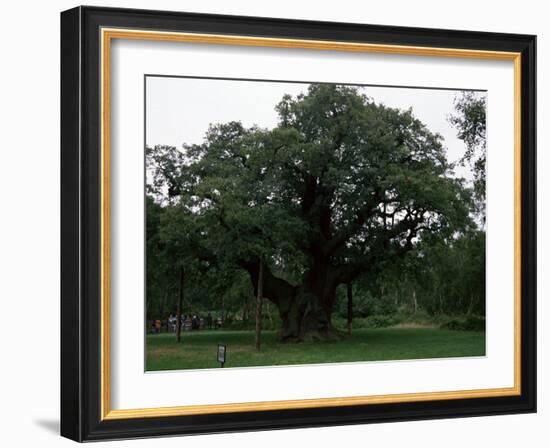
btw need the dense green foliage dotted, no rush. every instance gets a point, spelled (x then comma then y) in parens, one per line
(342, 191)
(470, 121)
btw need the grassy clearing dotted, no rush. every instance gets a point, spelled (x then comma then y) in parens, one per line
(198, 349)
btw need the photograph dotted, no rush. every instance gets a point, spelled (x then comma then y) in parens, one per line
(273, 223)
(292, 223)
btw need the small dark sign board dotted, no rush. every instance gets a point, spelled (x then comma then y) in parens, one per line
(221, 354)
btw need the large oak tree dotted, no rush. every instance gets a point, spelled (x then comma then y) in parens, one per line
(340, 187)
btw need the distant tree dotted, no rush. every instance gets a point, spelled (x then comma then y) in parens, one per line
(446, 275)
(160, 280)
(469, 120)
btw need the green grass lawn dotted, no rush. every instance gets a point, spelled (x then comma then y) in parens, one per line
(198, 349)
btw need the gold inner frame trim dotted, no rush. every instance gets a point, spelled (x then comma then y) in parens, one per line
(107, 35)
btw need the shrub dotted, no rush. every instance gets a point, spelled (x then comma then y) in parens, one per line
(364, 305)
(465, 323)
(380, 321)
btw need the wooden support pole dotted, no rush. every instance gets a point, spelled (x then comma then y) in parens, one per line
(350, 306)
(180, 305)
(259, 298)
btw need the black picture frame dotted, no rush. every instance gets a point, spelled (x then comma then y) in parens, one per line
(81, 224)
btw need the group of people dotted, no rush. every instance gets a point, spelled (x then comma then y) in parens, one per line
(188, 322)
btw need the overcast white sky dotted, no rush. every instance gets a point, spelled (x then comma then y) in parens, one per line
(179, 110)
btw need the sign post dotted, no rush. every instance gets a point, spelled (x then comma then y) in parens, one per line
(221, 354)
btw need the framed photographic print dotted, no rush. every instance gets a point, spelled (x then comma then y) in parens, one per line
(272, 223)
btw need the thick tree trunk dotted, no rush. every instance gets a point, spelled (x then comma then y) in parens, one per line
(304, 318)
(305, 310)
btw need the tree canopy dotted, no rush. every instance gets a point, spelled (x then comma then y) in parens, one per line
(339, 189)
